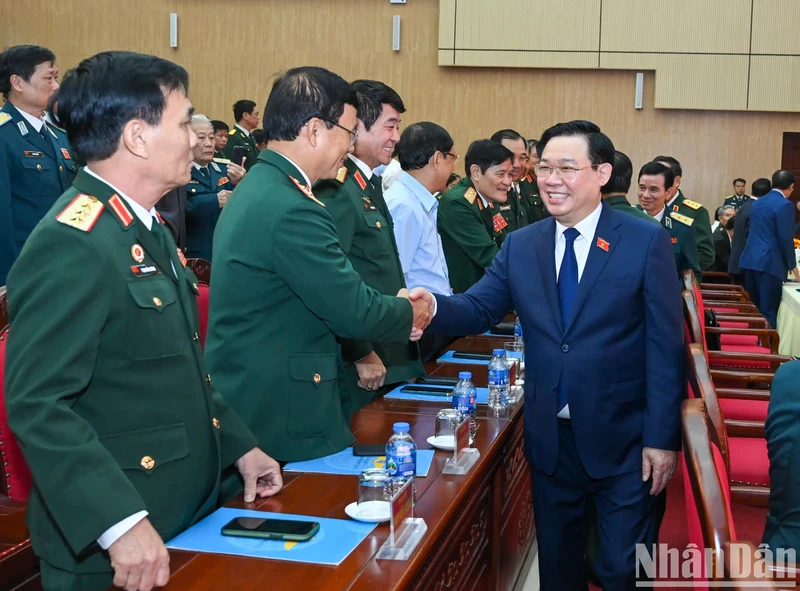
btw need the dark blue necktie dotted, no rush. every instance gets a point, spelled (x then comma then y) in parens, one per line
(567, 290)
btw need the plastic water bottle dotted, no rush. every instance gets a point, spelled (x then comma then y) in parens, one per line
(464, 399)
(518, 332)
(401, 456)
(498, 381)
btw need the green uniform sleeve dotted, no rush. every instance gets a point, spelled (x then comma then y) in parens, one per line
(340, 207)
(459, 219)
(57, 313)
(705, 242)
(234, 436)
(310, 260)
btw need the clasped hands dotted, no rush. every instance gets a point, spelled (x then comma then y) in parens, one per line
(423, 304)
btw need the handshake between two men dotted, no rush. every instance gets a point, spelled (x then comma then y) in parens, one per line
(424, 306)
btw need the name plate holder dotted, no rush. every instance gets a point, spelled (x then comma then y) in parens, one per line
(464, 456)
(405, 530)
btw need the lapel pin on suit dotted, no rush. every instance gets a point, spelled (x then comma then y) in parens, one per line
(603, 244)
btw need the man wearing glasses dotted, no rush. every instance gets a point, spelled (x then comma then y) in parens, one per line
(595, 291)
(365, 228)
(283, 289)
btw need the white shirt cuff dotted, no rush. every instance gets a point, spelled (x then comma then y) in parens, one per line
(115, 532)
(435, 306)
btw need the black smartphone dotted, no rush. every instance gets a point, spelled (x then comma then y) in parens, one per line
(238, 155)
(470, 355)
(437, 381)
(271, 529)
(369, 449)
(446, 391)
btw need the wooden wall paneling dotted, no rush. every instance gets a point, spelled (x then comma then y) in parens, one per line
(775, 27)
(527, 59)
(775, 83)
(683, 81)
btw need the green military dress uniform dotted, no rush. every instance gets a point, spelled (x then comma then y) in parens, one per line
(366, 234)
(469, 246)
(106, 386)
(202, 207)
(236, 137)
(619, 202)
(35, 169)
(736, 201)
(282, 290)
(702, 227)
(529, 190)
(684, 242)
(519, 207)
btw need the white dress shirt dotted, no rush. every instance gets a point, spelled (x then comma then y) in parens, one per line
(35, 122)
(242, 129)
(414, 212)
(366, 170)
(587, 228)
(303, 172)
(660, 215)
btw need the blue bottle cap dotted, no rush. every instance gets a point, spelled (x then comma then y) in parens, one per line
(402, 427)
(465, 375)
(499, 352)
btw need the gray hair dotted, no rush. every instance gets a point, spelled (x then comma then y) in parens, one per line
(201, 120)
(723, 209)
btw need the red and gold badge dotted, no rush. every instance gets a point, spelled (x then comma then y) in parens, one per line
(137, 252)
(603, 244)
(181, 258)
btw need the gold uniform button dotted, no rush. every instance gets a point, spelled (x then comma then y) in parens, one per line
(377, 224)
(208, 379)
(157, 301)
(317, 378)
(148, 463)
(38, 167)
(216, 423)
(195, 286)
(60, 169)
(196, 338)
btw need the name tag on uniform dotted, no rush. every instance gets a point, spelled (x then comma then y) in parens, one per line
(145, 270)
(33, 154)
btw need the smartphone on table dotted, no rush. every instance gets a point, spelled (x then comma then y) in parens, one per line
(271, 529)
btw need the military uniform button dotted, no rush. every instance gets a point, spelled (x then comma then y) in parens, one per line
(215, 422)
(148, 463)
(196, 338)
(317, 378)
(38, 167)
(195, 286)
(208, 379)
(60, 169)
(377, 224)
(157, 301)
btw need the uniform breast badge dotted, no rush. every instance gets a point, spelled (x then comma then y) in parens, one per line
(499, 222)
(137, 252)
(181, 258)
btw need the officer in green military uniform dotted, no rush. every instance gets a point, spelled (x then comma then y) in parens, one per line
(246, 115)
(739, 196)
(106, 386)
(37, 163)
(208, 191)
(471, 225)
(691, 209)
(615, 191)
(221, 131)
(517, 199)
(283, 288)
(656, 188)
(366, 233)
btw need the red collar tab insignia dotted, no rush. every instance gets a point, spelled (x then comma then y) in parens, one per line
(65, 153)
(122, 213)
(360, 180)
(603, 244)
(529, 179)
(499, 222)
(137, 252)
(306, 191)
(160, 219)
(674, 241)
(222, 181)
(181, 258)
(676, 208)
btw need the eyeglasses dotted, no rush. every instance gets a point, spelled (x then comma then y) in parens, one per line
(455, 157)
(567, 173)
(353, 134)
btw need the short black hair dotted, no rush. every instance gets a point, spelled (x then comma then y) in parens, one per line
(599, 146)
(782, 179)
(106, 91)
(486, 153)
(21, 60)
(302, 94)
(621, 175)
(219, 125)
(531, 144)
(241, 108)
(673, 164)
(658, 169)
(453, 178)
(739, 180)
(760, 187)
(371, 96)
(419, 142)
(508, 134)
(259, 137)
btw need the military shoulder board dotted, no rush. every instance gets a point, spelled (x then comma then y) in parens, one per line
(682, 219)
(692, 204)
(4, 118)
(470, 195)
(81, 213)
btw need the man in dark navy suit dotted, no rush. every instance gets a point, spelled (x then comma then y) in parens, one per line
(741, 228)
(769, 253)
(595, 291)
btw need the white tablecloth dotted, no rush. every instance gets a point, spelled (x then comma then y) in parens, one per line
(789, 320)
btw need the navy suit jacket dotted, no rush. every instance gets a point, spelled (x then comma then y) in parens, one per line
(741, 228)
(622, 350)
(770, 243)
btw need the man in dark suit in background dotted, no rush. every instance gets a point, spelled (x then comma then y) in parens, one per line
(769, 253)
(741, 228)
(595, 291)
(723, 239)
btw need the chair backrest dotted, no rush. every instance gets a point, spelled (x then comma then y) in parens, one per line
(707, 496)
(689, 279)
(15, 478)
(694, 316)
(703, 386)
(202, 270)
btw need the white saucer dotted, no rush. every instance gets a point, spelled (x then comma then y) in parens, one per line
(371, 512)
(444, 442)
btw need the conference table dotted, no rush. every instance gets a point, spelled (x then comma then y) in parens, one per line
(789, 320)
(480, 525)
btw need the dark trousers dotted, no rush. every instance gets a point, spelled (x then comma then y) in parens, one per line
(765, 291)
(626, 515)
(431, 345)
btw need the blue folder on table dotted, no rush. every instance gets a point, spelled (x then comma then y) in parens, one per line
(397, 394)
(334, 541)
(345, 463)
